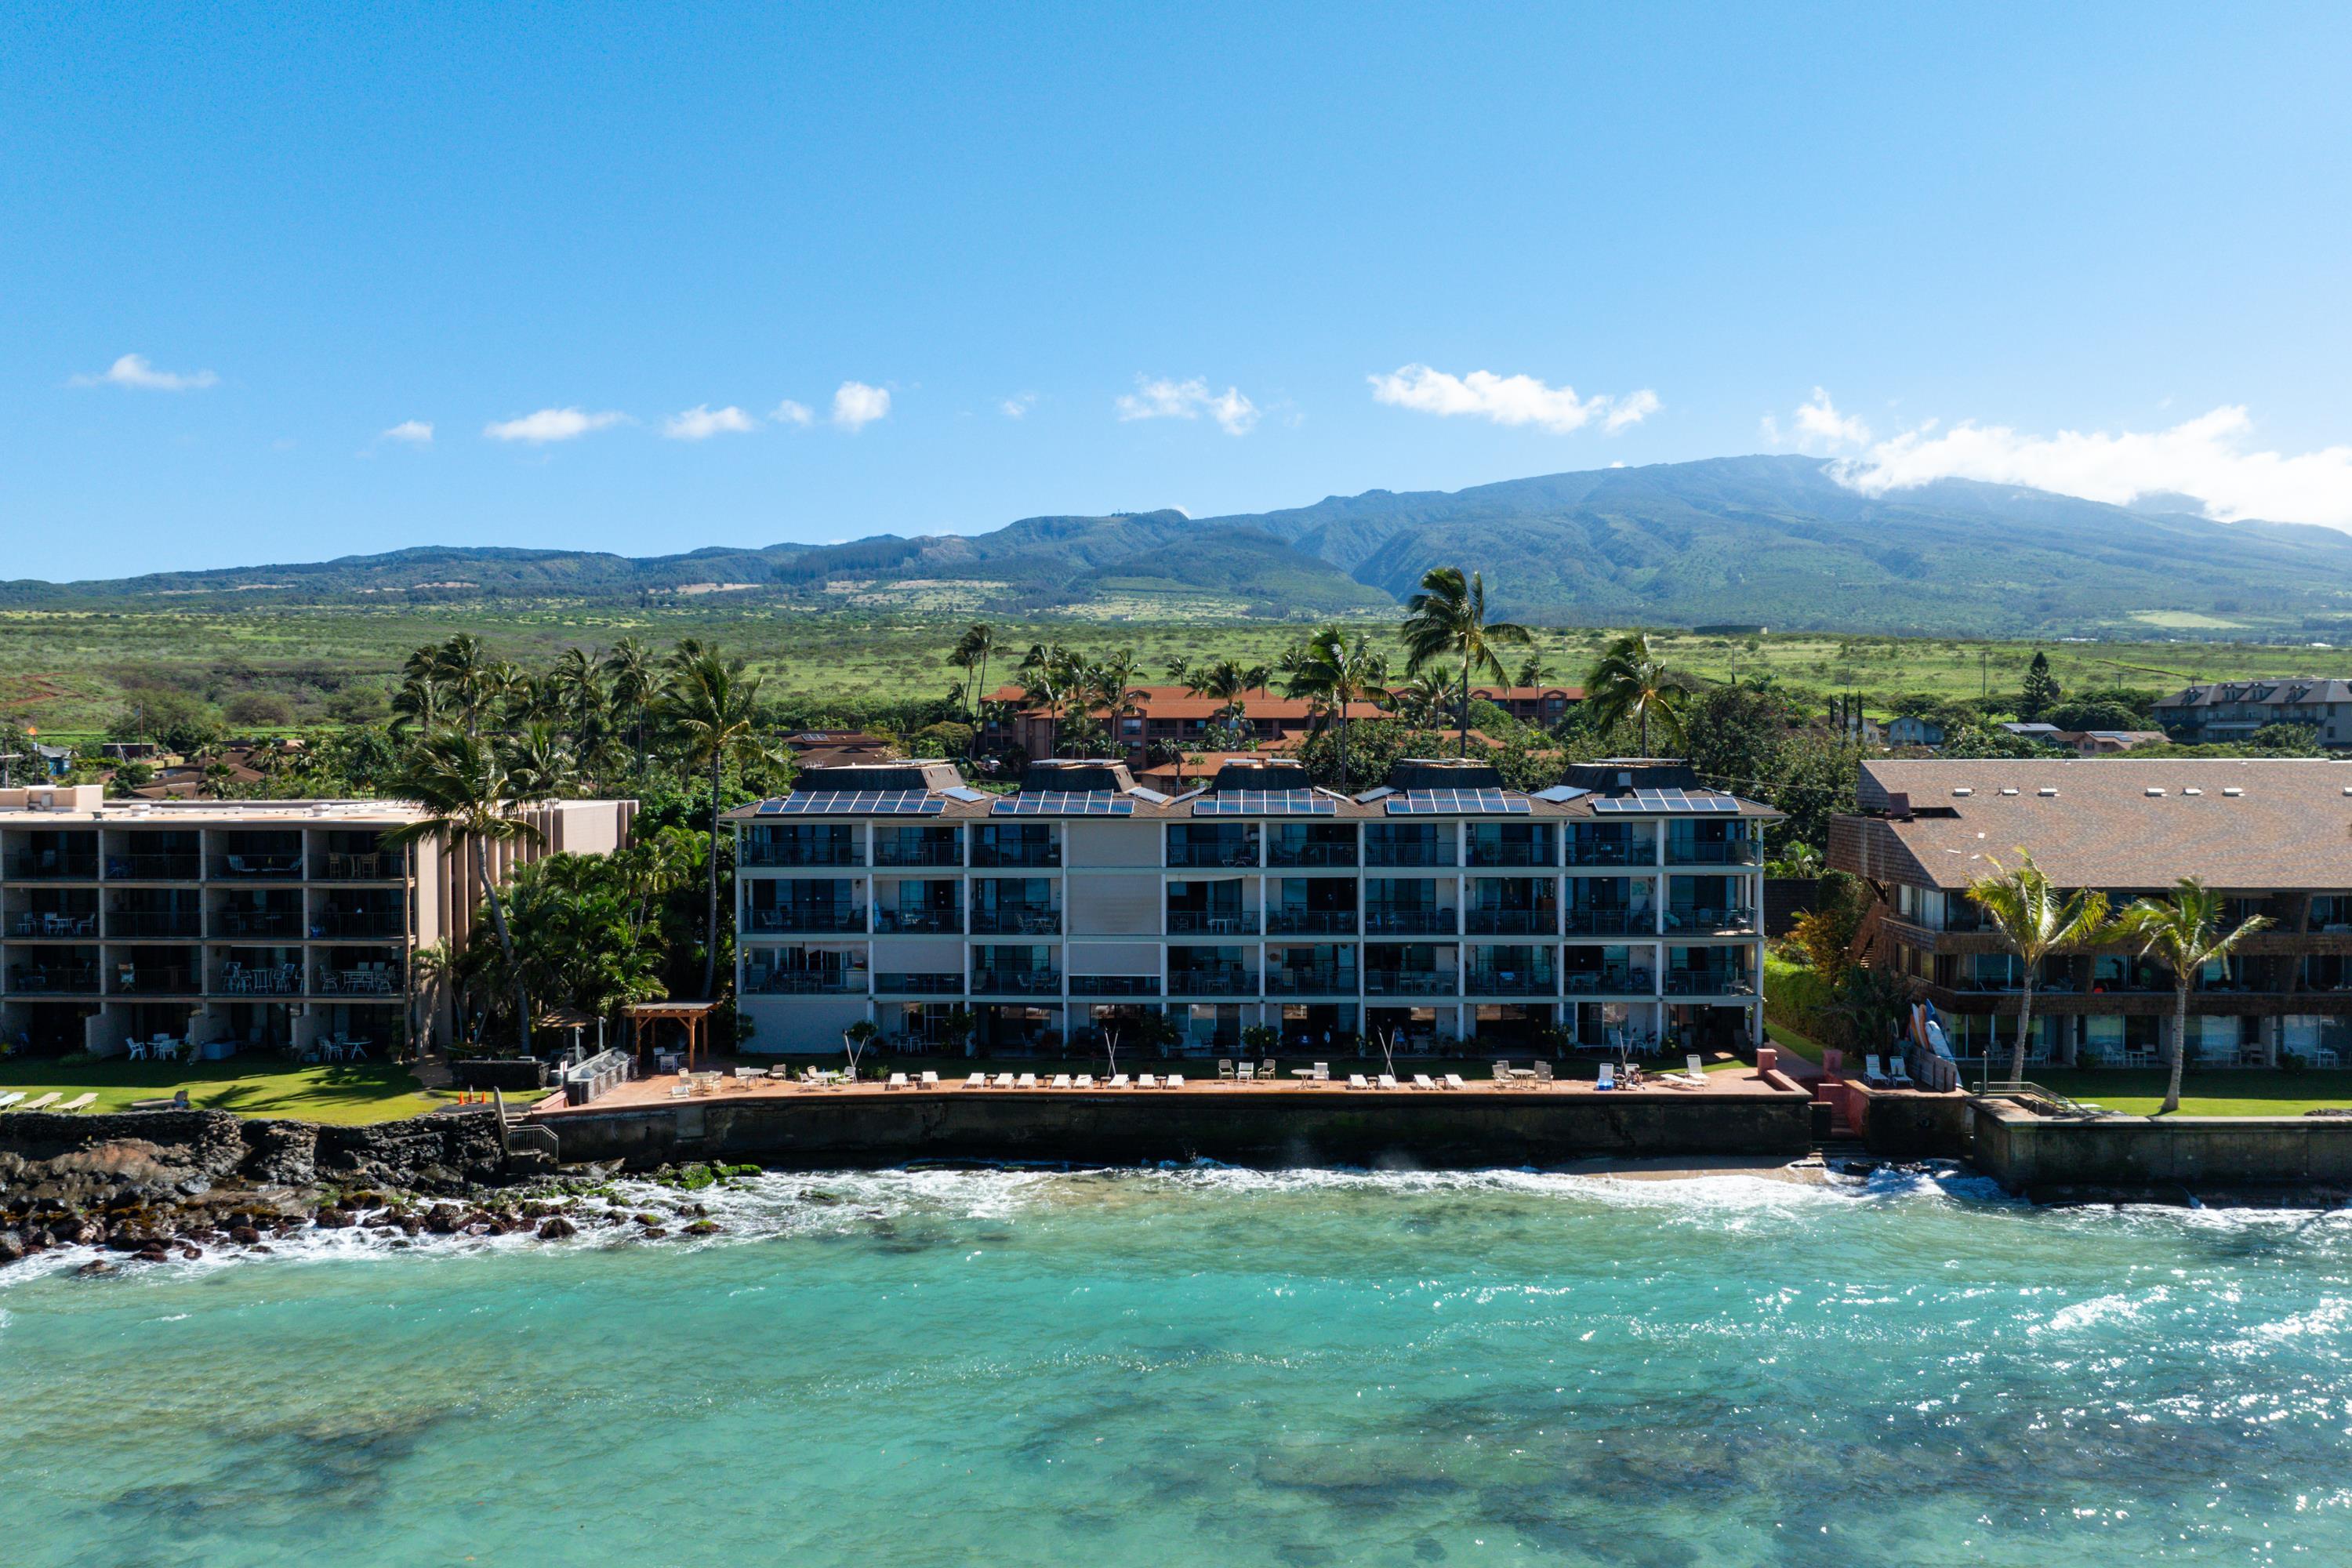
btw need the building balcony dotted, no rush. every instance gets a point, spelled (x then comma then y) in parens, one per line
(1409, 921)
(156, 925)
(1408, 852)
(364, 866)
(1625, 982)
(257, 923)
(1409, 982)
(1311, 980)
(53, 980)
(1017, 919)
(1031, 857)
(804, 982)
(358, 925)
(1533, 982)
(1514, 923)
(1204, 922)
(1724, 921)
(1708, 983)
(1216, 857)
(162, 980)
(1016, 983)
(184, 865)
(822, 920)
(1613, 922)
(362, 979)
(886, 984)
(1219, 980)
(792, 856)
(1612, 851)
(55, 925)
(1114, 985)
(51, 865)
(1712, 852)
(1310, 855)
(1310, 922)
(944, 851)
(1507, 853)
(888, 921)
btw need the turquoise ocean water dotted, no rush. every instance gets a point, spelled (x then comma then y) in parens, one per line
(1214, 1367)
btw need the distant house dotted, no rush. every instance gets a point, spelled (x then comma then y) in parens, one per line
(1910, 731)
(55, 761)
(2045, 733)
(2232, 709)
(2110, 743)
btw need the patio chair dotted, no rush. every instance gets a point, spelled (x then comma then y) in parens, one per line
(1119, 1080)
(11, 1098)
(1322, 1072)
(1224, 1067)
(1247, 1073)
(1084, 1081)
(1268, 1070)
(896, 1080)
(80, 1102)
(1454, 1081)
(1173, 1081)
(929, 1080)
(1874, 1072)
(1423, 1080)
(1357, 1080)
(41, 1102)
(137, 1049)
(1026, 1080)
(1387, 1080)
(1146, 1080)
(1503, 1074)
(1607, 1077)
(2323, 1056)
(1898, 1074)
(1693, 1069)
(1002, 1080)
(680, 1090)
(1543, 1072)
(1061, 1080)
(976, 1080)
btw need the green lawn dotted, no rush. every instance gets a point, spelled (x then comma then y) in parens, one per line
(362, 1091)
(1789, 1040)
(2250, 1091)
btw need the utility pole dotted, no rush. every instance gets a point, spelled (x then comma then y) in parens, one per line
(1984, 675)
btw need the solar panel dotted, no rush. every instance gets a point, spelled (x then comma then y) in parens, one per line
(1457, 801)
(1062, 803)
(856, 803)
(1561, 793)
(1667, 800)
(965, 794)
(1267, 802)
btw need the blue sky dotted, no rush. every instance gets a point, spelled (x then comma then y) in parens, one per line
(1315, 251)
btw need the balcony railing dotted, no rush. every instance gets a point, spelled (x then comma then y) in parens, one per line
(1626, 982)
(54, 980)
(918, 984)
(361, 925)
(1610, 851)
(1016, 981)
(1509, 854)
(1311, 923)
(929, 923)
(1018, 854)
(180, 867)
(1514, 923)
(1707, 982)
(1281, 854)
(1711, 852)
(804, 982)
(1017, 919)
(259, 868)
(160, 925)
(1215, 857)
(1204, 922)
(1705, 920)
(766, 852)
(819, 920)
(1612, 923)
(1408, 852)
(1382, 921)
(364, 866)
(52, 866)
(373, 980)
(1509, 982)
(55, 925)
(1408, 983)
(159, 980)
(1221, 980)
(1312, 980)
(257, 923)
(947, 851)
(1114, 985)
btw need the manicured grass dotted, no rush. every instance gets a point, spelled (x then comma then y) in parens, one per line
(1789, 1040)
(2246, 1091)
(360, 1091)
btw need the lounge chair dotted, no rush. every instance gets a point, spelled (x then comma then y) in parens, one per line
(1873, 1072)
(1388, 1080)
(1608, 1076)
(1174, 1080)
(1002, 1080)
(1423, 1080)
(41, 1102)
(1026, 1080)
(82, 1102)
(1119, 1080)
(1084, 1081)
(1061, 1080)
(1224, 1067)
(1695, 1070)
(1146, 1080)
(929, 1080)
(1454, 1081)
(1898, 1074)
(976, 1080)
(896, 1080)
(11, 1098)
(1357, 1080)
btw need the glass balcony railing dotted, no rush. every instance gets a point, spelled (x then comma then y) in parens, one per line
(53, 979)
(1408, 851)
(1218, 980)
(184, 865)
(1610, 851)
(901, 985)
(1707, 982)
(156, 925)
(926, 923)
(1627, 981)
(55, 925)
(1312, 853)
(1214, 855)
(1531, 982)
(1310, 922)
(818, 920)
(1016, 981)
(1514, 923)
(1732, 920)
(1017, 919)
(804, 982)
(1311, 980)
(1612, 923)
(1114, 985)
(51, 864)
(944, 851)
(1408, 983)
(1408, 920)
(1213, 923)
(357, 925)
(1711, 852)
(822, 849)
(1015, 853)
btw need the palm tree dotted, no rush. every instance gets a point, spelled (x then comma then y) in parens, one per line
(1447, 621)
(469, 801)
(2183, 933)
(1178, 670)
(464, 670)
(1630, 681)
(1533, 671)
(712, 704)
(635, 682)
(1331, 673)
(971, 654)
(1423, 699)
(540, 762)
(2027, 914)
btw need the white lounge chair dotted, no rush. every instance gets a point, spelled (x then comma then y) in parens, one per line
(1454, 1081)
(1002, 1080)
(11, 1098)
(1119, 1080)
(41, 1102)
(1388, 1080)
(82, 1102)
(929, 1080)
(976, 1080)
(1084, 1081)
(1026, 1080)
(1061, 1080)
(1146, 1080)
(1694, 1069)
(1357, 1080)
(896, 1080)
(1173, 1081)
(1898, 1074)
(1423, 1080)
(1608, 1076)
(1873, 1072)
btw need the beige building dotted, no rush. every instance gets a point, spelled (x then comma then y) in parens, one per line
(237, 925)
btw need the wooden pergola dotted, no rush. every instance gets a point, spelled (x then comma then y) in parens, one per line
(690, 1014)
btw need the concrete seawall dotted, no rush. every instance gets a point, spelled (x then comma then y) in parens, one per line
(1439, 1131)
(2026, 1152)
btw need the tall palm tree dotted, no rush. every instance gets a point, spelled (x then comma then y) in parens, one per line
(465, 668)
(540, 761)
(470, 804)
(2027, 914)
(712, 702)
(1331, 672)
(2184, 932)
(1630, 681)
(1533, 671)
(1447, 620)
(971, 654)
(635, 681)
(1178, 670)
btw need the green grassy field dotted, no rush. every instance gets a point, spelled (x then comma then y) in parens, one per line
(2224, 1092)
(68, 673)
(361, 1091)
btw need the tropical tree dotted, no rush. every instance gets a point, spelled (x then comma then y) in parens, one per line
(1447, 621)
(1332, 673)
(971, 654)
(1630, 681)
(540, 761)
(470, 804)
(2030, 919)
(1533, 671)
(634, 681)
(710, 703)
(2184, 933)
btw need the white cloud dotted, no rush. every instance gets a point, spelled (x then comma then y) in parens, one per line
(1168, 399)
(791, 413)
(415, 432)
(856, 404)
(1820, 427)
(133, 371)
(2205, 458)
(551, 425)
(1017, 406)
(1509, 399)
(701, 422)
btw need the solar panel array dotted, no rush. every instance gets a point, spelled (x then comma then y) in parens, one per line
(1457, 801)
(859, 803)
(1663, 800)
(1062, 803)
(965, 794)
(1267, 802)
